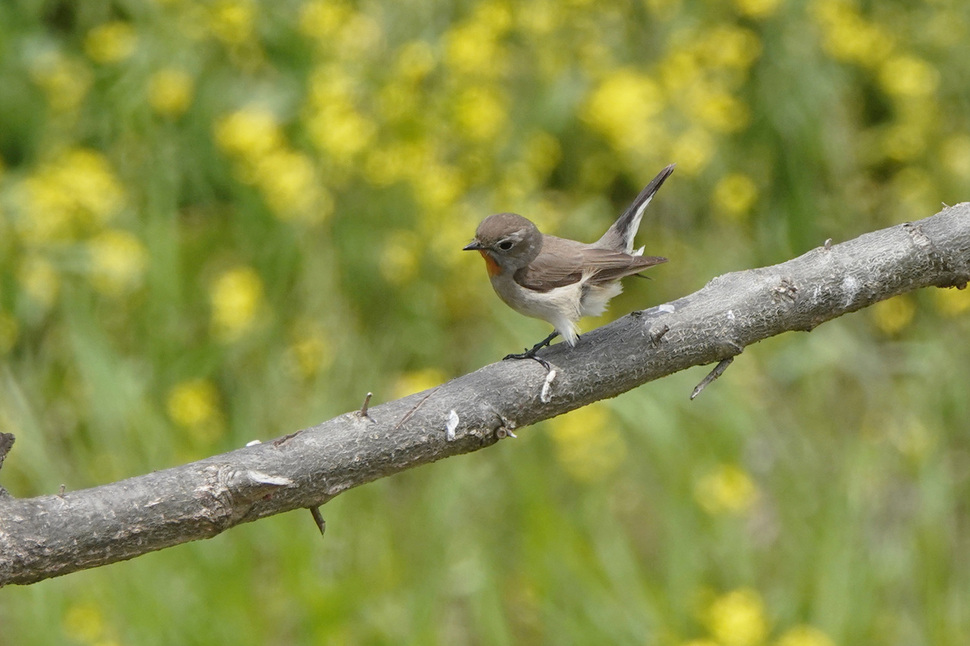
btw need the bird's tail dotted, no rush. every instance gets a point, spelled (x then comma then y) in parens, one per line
(620, 236)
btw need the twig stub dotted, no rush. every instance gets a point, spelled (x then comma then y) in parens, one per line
(362, 413)
(711, 376)
(318, 519)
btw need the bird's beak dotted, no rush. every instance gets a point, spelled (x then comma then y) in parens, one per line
(474, 245)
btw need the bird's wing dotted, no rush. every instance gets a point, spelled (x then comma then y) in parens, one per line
(564, 262)
(559, 263)
(611, 265)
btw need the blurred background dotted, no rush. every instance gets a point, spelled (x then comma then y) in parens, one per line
(225, 221)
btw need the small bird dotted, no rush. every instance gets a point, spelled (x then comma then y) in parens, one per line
(560, 280)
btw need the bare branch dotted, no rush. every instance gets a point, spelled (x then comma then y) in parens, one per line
(52, 535)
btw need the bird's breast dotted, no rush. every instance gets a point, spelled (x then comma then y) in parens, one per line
(490, 265)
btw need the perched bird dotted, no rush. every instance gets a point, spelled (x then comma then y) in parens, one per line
(560, 280)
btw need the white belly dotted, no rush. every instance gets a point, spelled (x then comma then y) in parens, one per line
(562, 307)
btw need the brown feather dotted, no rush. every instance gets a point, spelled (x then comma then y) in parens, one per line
(562, 262)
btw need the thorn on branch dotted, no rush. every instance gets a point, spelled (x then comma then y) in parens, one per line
(318, 519)
(362, 413)
(503, 432)
(828, 244)
(712, 375)
(656, 333)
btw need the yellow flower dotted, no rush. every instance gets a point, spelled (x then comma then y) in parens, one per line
(895, 314)
(333, 121)
(248, 133)
(340, 129)
(804, 636)
(716, 109)
(681, 68)
(955, 154)
(310, 350)
(542, 152)
(738, 618)
(952, 302)
(237, 297)
(288, 180)
(9, 331)
(359, 37)
(904, 141)
(118, 261)
(394, 162)
(481, 113)
(323, 18)
(84, 622)
(588, 445)
(437, 187)
(414, 61)
(726, 489)
(399, 101)
(232, 21)
(908, 76)
(111, 42)
(170, 91)
(474, 47)
(65, 82)
(444, 229)
(73, 193)
(400, 257)
(693, 151)
(540, 19)
(195, 407)
(728, 46)
(757, 8)
(847, 36)
(622, 106)
(735, 194)
(193, 403)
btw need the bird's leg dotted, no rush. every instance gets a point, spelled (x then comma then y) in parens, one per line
(531, 353)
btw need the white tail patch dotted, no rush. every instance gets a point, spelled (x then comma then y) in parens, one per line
(631, 231)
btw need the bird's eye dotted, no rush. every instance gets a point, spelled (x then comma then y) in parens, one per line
(505, 245)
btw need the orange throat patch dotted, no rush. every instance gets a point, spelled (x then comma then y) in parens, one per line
(490, 265)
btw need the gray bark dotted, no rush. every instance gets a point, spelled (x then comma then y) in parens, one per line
(52, 535)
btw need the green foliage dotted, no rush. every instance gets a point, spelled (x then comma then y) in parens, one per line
(227, 220)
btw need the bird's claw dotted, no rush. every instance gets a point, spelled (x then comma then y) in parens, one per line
(529, 354)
